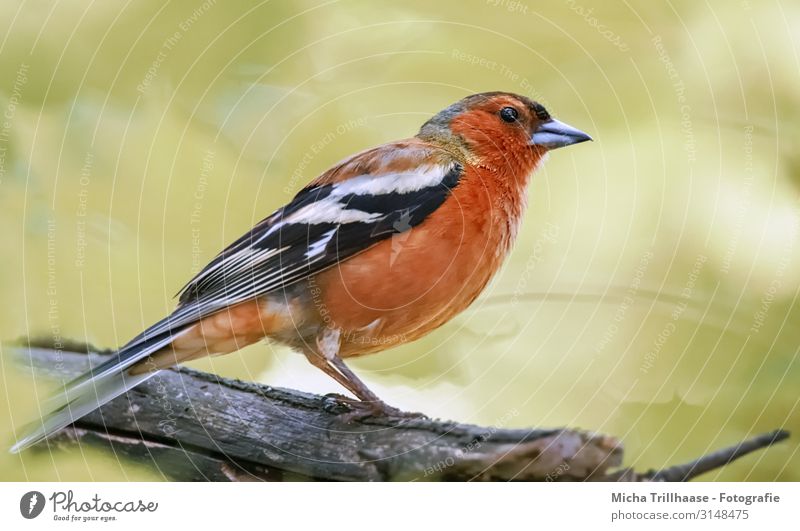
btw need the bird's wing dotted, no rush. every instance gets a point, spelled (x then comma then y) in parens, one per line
(359, 202)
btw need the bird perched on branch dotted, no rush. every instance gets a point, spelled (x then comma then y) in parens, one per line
(379, 250)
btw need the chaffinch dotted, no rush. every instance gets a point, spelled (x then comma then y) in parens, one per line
(379, 250)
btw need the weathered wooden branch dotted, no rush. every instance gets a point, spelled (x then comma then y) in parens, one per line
(192, 425)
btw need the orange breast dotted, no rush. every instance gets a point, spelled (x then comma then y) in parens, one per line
(404, 287)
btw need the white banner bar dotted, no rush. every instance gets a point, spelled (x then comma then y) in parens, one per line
(349, 506)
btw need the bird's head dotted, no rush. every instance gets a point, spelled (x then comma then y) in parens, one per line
(501, 128)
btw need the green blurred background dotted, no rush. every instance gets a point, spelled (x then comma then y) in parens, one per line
(651, 294)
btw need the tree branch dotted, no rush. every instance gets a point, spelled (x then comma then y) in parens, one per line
(718, 459)
(192, 425)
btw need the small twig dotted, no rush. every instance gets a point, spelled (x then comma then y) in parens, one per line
(718, 459)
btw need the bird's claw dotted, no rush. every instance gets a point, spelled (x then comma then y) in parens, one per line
(338, 397)
(364, 410)
(361, 410)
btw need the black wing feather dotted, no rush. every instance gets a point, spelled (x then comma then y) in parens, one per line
(268, 259)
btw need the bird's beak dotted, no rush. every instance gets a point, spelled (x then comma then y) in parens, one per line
(553, 134)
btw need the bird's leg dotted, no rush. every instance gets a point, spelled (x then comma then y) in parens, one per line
(326, 357)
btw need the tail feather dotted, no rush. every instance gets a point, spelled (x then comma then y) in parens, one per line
(133, 352)
(80, 406)
(92, 389)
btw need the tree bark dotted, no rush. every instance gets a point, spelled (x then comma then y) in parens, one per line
(191, 425)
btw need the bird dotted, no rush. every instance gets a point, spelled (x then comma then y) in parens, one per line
(379, 250)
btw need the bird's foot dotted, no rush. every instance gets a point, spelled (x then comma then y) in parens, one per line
(339, 397)
(360, 409)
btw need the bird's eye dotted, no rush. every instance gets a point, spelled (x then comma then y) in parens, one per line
(509, 114)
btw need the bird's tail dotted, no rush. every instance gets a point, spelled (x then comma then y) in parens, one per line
(94, 388)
